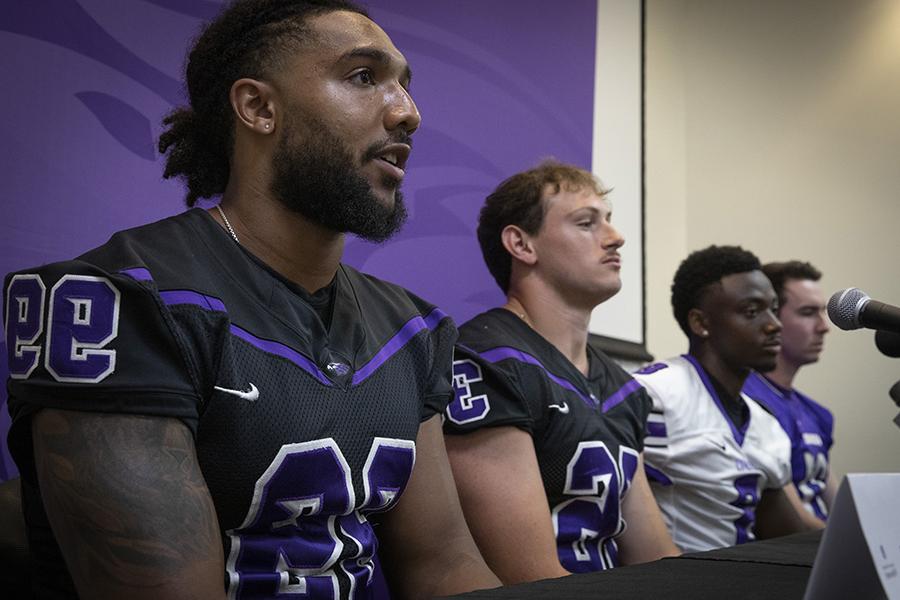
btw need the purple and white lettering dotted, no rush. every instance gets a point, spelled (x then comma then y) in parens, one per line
(24, 323)
(466, 408)
(289, 544)
(812, 486)
(747, 487)
(386, 472)
(83, 319)
(628, 463)
(585, 525)
(385, 475)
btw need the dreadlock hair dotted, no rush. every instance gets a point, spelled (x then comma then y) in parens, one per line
(520, 201)
(701, 269)
(247, 39)
(780, 273)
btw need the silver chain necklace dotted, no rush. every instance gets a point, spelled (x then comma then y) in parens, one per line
(228, 224)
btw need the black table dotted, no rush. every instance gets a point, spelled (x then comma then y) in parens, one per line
(774, 569)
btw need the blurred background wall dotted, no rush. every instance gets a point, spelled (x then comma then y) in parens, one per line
(776, 125)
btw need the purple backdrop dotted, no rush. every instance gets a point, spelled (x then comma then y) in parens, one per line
(500, 85)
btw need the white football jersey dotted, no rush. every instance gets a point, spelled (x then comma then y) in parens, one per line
(707, 475)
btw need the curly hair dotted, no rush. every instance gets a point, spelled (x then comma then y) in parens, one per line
(781, 272)
(247, 39)
(701, 269)
(519, 200)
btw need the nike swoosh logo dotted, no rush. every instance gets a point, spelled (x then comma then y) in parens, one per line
(719, 444)
(250, 395)
(563, 408)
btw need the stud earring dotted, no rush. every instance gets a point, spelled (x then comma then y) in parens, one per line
(268, 125)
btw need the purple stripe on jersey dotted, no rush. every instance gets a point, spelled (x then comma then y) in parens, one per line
(279, 349)
(737, 433)
(656, 429)
(656, 475)
(617, 398)
(504, 352)
(434, 317)
(171, 297)
(653, 368)
(138, 274)
(393, 345)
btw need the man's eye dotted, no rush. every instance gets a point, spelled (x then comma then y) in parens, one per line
(751, 312)
(365, 77)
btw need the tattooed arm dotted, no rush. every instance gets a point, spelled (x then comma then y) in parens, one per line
(128, 506)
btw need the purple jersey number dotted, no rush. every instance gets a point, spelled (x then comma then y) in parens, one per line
(24, 323)
(747, 487)
(585, 525)
(466, 408)
(83, 318)
(304, 512)
(811, 486)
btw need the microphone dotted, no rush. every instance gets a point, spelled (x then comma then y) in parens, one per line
(852, 309)
(888, 342)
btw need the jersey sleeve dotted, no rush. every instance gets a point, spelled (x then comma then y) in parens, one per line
(484, 396)
(439, 390)
(656, 431)
(81, 338)
(777, 445)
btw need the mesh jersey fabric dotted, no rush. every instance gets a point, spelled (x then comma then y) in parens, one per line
(184, 323)
(587, 431)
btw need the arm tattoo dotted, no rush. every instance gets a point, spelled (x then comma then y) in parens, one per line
(125, 496)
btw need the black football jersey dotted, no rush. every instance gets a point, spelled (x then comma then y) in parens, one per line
(300, 430)
(587, 431)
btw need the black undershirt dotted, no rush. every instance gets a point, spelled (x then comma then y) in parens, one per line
(321, 301)
(735, 407)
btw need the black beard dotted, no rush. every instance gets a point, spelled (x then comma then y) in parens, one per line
(317, 179)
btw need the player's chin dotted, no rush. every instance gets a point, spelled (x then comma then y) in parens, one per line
(386, 195)
(606, 290)
(811, 357)
(765, 363)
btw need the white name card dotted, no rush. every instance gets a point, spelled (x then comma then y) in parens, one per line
(859, 556)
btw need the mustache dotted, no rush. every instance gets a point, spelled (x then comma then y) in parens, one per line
(400, 137)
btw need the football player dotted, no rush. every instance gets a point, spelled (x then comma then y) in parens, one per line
(717, 461)
(809, 425)
(214, 401)
(545, 433)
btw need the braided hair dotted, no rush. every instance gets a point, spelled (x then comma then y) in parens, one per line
(247, 39)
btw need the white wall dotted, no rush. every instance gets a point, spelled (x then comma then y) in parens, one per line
(776, 125)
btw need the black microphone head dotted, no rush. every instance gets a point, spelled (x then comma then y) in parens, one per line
(888, 342)
(844, 308)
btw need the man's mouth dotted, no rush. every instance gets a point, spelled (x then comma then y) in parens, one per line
(394, 154)
(772, 345)
(615, 258)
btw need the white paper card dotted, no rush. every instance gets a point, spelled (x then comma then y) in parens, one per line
(859, 556)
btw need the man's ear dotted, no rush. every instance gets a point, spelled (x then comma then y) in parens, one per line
(698, 323)
(253, 105)
(519, 244)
